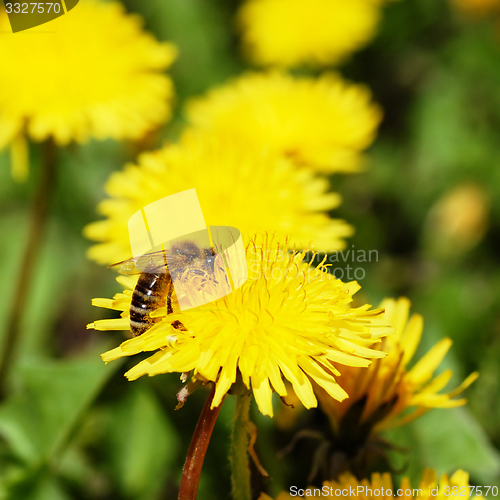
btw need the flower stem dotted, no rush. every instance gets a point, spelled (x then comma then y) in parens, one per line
(197, 450)
(39, 212)
(238, 453)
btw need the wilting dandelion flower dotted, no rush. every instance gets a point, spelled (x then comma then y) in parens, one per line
(381, 487)
(237, 185)
(319, 32)
(384, 395)
(381, 395)
(323, 122)
(288, 321)
(98, 75)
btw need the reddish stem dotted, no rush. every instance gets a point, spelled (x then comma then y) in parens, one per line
(197, 450)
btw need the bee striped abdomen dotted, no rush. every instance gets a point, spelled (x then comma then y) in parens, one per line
(150, 293)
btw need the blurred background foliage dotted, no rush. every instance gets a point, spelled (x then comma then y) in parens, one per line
(429, 203)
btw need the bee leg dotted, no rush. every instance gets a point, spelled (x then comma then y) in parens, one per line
(170, 290)
(176, 324)
(179, 326)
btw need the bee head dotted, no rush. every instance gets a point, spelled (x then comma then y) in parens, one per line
(187, 250)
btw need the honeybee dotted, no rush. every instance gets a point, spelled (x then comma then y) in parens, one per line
(155, 287)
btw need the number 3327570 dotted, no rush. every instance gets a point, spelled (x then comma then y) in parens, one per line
(33, 8)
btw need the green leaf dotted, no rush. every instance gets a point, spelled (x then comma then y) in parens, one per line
(38, 420)
(453, 439)
(48, 489)
(446, 440)
(37, 484)
(143, 443)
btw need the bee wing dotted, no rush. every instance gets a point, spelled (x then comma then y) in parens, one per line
(127, 267)
(155, 262)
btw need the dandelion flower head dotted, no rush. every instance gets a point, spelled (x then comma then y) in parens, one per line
(323, 122)
(389, 393)
(237, 185)
(459, 219)
(289, 321)
(289, 33)
(97, 74)
(381, 487)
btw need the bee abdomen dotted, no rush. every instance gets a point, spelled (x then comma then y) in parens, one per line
(149, 294)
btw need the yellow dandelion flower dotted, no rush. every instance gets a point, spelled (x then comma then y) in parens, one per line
(380, 394)
(237, 185)
(381, 488)
(289, 320)
(96, 74)
(323, 122)
(319, 32)
(458, 220)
